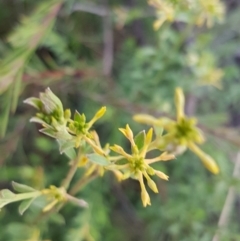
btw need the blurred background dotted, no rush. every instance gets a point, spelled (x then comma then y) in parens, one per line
(95, 53)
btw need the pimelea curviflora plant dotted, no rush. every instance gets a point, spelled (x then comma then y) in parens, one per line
(81, 144)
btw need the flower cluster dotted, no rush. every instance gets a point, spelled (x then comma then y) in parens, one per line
(57, 122)
(76, 133)
(137, 164)
(198, 11)
(181, 133)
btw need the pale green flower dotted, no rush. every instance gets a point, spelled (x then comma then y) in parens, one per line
(181, 134)
(137, 164)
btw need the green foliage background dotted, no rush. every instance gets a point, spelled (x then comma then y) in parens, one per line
(147, 66)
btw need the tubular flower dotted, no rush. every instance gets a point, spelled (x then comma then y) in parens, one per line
(137, 165)
(181, 134)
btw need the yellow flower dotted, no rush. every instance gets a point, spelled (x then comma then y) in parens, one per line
(137, 165)
(181, 134)
(209, 11)
(204, 68)
(165, 12)
(196, 11)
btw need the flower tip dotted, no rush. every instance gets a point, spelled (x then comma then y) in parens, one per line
(145, 198)
(145, 119)
(162, 175)
(215, 170)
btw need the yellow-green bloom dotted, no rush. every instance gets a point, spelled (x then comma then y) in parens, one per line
(204, 68)
(137, 164)
(81, 129)
(181, 134)
(197, 12)
(96, 145)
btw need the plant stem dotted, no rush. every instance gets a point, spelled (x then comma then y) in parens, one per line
(81, 183)
(228, 205)
(79, 202)
(66, 182)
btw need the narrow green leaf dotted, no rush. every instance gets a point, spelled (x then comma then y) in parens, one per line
(49, 132)
(140, 139)
(16, 89)
(71, 153)
(5, 112)
(97, 159)
(5, 193)
(22, 188)
(35, 102)
(57, 218)
(158, 131)
(67, 149)
(65, 145)
(3, 203)
(40, 121)
(79, 118)
(25, 205)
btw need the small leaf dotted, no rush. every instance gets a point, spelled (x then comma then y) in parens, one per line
(79, 118)
(5, 193)
(16, 89)
(25, 205)
(69, 152)
(140, 139)
(65, 145)
(40, 121)
(57, 218)
(49, 132)
(97, 159)
(35, 102)
(22, 188)
(158, 131)
(5, 113)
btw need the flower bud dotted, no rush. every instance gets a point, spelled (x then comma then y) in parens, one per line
(161, 175)
(207, 160)
(179, 103)
(145, 198)
(152, 185)
(51, 102)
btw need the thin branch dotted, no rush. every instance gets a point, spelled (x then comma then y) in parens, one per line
(108, 44)
(66, 182)
(227, 208)
(81, 183)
